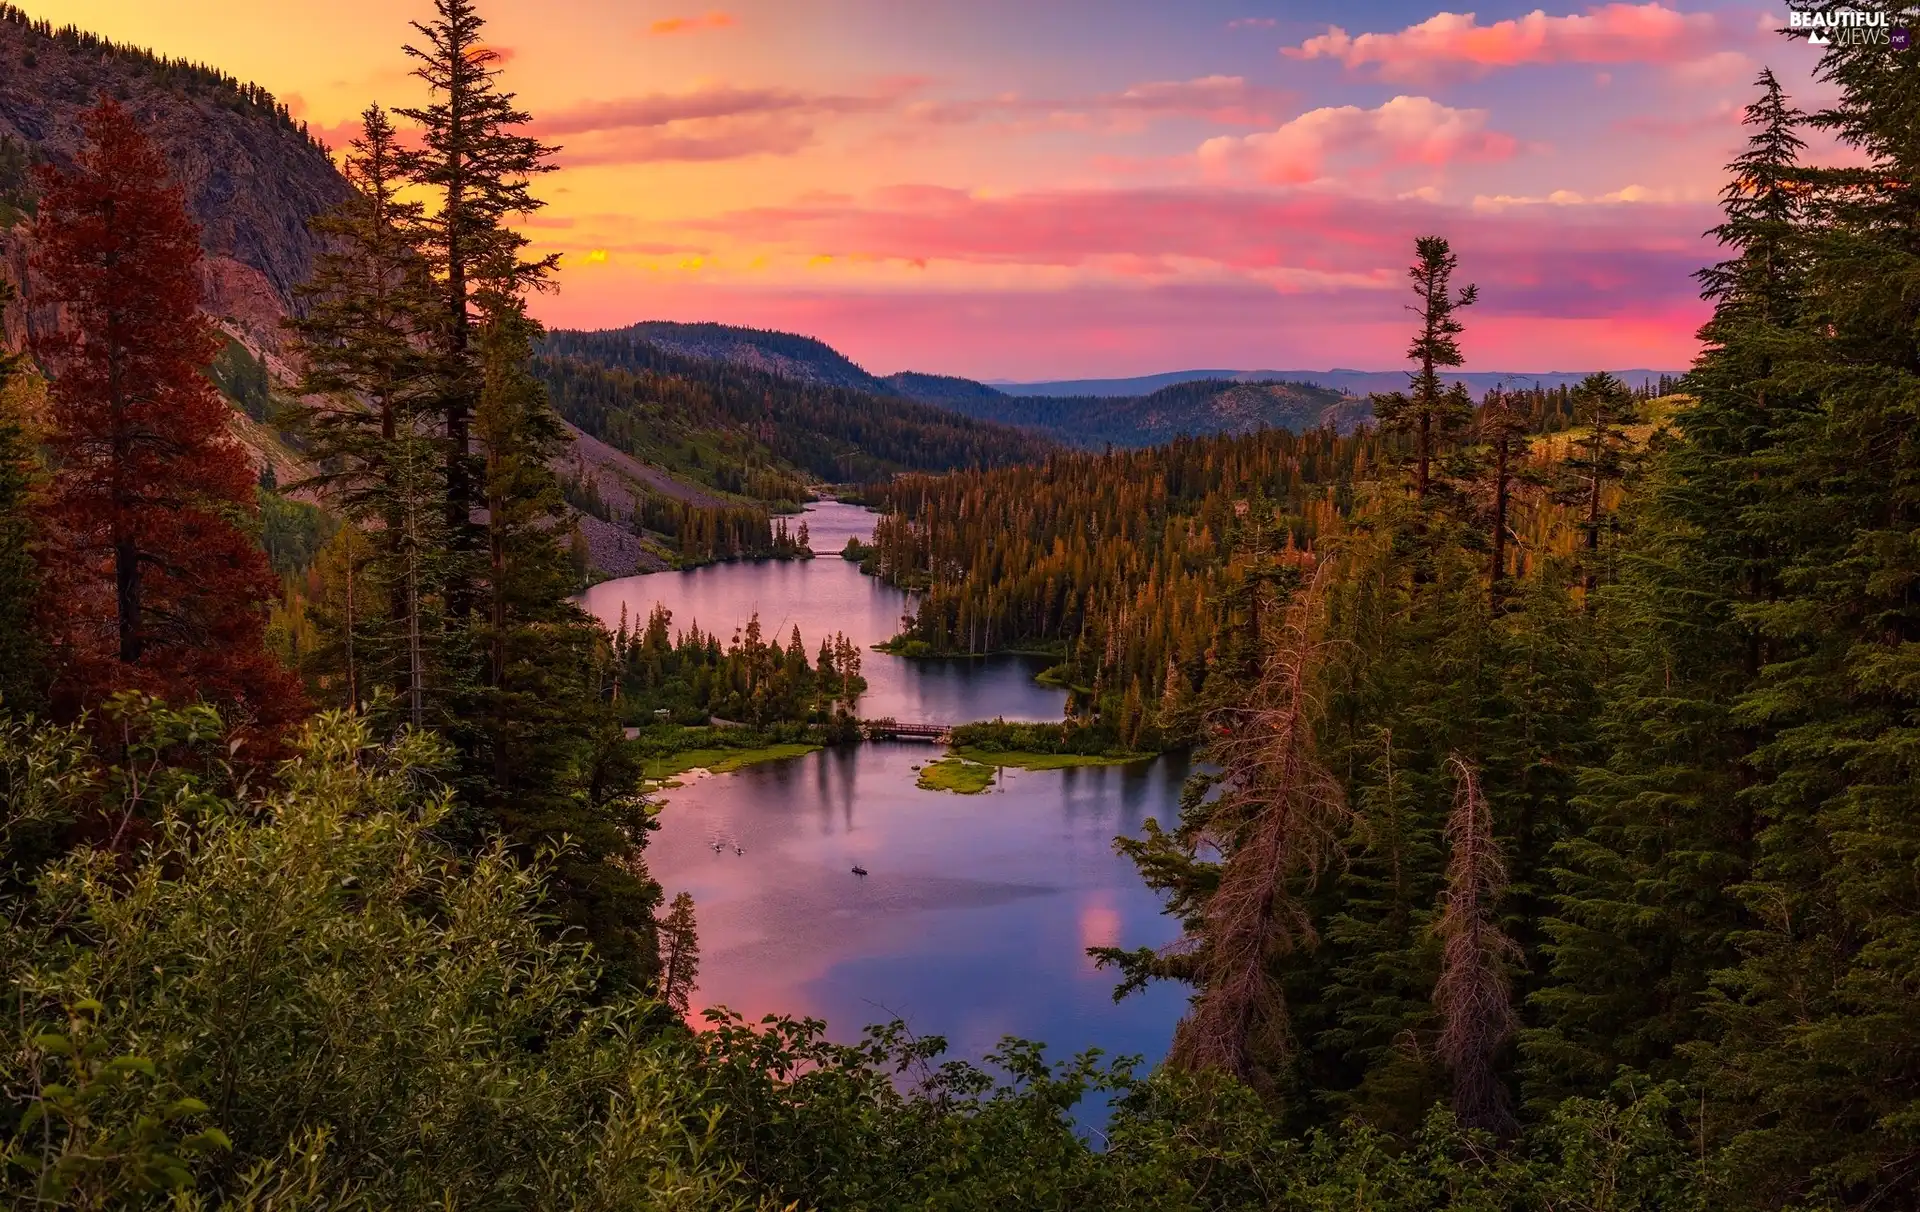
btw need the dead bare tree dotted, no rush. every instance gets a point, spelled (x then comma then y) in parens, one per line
(1275, 823)
(1473, 995)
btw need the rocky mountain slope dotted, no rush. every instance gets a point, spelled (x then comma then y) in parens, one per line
(253, 178)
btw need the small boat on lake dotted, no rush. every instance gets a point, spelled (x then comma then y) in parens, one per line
(859, 870)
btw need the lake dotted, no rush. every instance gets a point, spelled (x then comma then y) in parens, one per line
(975, 917)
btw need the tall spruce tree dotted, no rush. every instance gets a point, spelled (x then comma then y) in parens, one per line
(365, 338)
(1503, 428)
(544, 760)
(476, 169)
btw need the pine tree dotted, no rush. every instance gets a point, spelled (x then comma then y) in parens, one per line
(679, 956)
(1427, 412)
(1648, 906)
(1474, 993)
(477, 170)
(149, 583)
(1502, 427)
(1820, 1055)
(1604, 405)
(363, 338)
(1276, 820)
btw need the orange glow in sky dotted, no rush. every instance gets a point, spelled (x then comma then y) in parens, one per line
(1067, 188)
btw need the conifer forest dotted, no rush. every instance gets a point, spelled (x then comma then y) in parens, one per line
(1555, 818)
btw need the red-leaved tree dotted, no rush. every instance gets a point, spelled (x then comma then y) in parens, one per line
(149, 581)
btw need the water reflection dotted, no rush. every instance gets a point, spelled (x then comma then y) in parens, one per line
(826, 595)
(975, 918)
(977, 912)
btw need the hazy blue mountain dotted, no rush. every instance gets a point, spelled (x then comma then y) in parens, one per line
(1354, 382)
(1206, 406)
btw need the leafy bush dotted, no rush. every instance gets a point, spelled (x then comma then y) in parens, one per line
(297, 997)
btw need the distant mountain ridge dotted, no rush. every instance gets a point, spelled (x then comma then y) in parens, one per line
(1142, 411)
(1354, 382)
(1186, 407)
(1191, 409)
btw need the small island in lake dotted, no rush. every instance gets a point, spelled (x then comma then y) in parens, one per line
(957, 775)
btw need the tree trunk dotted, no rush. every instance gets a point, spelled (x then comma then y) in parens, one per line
(1426, 443)
(1498, 572)
(126, 548)
(353, 678)
(459, 435)
(416, 674)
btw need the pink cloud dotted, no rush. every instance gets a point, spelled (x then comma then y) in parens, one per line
(690, 25)
(338, 136)
(1448, 43)
(713, 101)
(715, 122)
(1252, 23)
(1403, 131)
(698, 141)
(1560, 260)
(1228, 100)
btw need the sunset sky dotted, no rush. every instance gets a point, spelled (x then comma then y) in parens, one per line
(1067, 188)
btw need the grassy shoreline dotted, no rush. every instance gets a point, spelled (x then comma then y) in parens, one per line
(1024, 760)
(920, 650)
(721, 761)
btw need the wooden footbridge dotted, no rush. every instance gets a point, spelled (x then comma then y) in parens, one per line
(894, 730)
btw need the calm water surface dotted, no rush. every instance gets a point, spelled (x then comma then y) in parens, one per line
(977, 911)
(826, 595)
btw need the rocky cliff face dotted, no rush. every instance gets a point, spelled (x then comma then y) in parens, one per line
(253, 179)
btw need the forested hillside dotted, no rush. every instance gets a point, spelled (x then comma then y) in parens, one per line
(835, 433)
(1195, 409)
(786, 354)
(739, 363)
